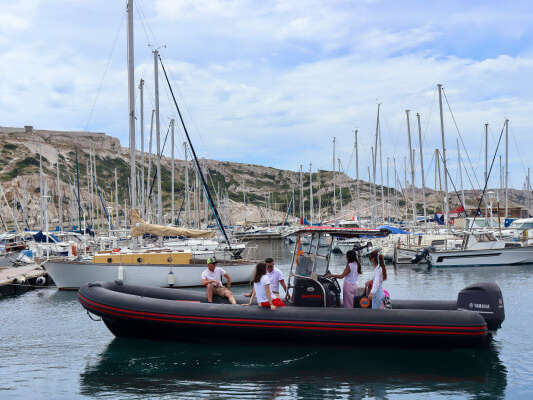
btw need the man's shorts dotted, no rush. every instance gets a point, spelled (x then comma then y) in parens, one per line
(219, 291)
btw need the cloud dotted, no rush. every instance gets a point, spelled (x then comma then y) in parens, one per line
(272, 82)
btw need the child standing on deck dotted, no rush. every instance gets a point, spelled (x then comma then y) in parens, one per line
(377, 295)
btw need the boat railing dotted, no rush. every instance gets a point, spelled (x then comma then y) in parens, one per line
(251, 252)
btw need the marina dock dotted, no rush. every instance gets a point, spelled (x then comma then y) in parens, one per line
(18, 280)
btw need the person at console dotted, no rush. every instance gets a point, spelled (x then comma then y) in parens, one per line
(350, 274)
(212, 280)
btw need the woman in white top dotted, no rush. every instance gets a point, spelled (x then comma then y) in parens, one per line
(261, 287)
(350, 275)
(377, 295)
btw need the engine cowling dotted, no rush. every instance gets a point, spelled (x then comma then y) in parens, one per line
(485, 298)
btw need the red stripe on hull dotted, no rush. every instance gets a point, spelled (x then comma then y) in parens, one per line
(350, 327)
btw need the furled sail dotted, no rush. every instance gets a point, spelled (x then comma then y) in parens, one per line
(139, 227)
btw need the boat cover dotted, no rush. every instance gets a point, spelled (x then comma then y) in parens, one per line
(139, 227)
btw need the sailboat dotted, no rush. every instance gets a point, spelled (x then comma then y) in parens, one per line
(148, 266)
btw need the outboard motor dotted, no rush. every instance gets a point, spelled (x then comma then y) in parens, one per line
(485, 298)
(421, 256)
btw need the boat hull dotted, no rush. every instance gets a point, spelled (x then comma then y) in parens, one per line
(73, 275)
(491, 257)
(175, 315)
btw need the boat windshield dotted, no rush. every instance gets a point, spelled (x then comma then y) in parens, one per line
(521, 225)
(314, 256)
(485, 237)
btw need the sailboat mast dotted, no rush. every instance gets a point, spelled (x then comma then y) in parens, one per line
(59, 200)
(358, 205)
(158, 140)
(395, 188)
(334, 184)
(148, 206)
(528, 194)
(41, 189)
(381, 177)
(78, 186)
(374, 167)
(373, 190)
(141, 98)
(388, 190)
(131, 98)
(340, 188)
(405, 187)
(244, 200)
(172, 171)
(439, 86)
(486, 164)
(422, 166)
(486, 149)
(311, 216)
(506, 168)
(411, 161)
(460, 165)
(187, 190)
(116, 199)
(301, 195)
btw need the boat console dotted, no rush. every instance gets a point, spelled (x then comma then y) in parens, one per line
(319, 292)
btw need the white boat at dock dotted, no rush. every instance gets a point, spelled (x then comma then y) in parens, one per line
(157, 268)
(481, 249)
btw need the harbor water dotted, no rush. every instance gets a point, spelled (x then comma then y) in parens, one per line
(51, 349)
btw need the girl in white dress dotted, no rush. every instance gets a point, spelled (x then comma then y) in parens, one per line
(350, 275)
(377, 295)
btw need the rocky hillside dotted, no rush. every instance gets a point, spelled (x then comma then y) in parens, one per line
(268, 191)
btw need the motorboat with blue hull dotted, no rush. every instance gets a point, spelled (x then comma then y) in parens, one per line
(313, 315)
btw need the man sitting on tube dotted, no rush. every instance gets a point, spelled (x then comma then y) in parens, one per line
(212, 280)
(276, 278)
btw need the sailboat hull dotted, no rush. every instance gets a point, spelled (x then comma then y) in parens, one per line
(71, 275)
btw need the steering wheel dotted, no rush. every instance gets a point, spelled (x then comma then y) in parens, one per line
(334, 281)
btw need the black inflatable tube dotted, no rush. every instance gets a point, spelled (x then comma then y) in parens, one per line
(171, 314)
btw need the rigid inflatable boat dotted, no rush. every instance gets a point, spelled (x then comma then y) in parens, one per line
(313, 315)
(185, 315)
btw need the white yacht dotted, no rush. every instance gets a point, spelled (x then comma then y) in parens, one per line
(482, 249)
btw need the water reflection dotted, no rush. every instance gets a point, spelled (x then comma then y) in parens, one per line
(138, 368)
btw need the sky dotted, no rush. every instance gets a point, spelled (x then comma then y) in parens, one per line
(272, 82)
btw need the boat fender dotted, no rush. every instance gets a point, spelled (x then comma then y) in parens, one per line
(120, 273)
(364, 302)
(40, 281)
(20, 280)
(171, 279)
(74, 250)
